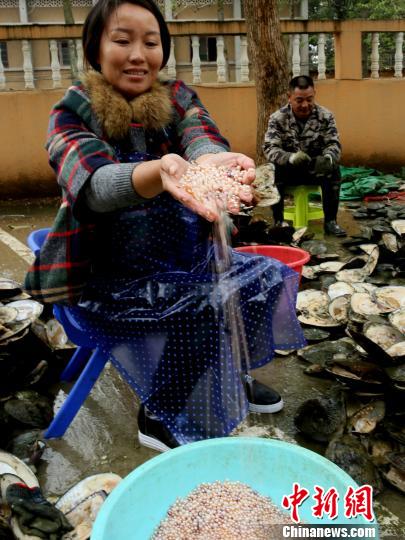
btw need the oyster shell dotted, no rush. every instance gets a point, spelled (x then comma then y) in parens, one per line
(339, 308)
(366, 419)
(379, 448)
(351, 276)
(331, 266)
(396, 373)
(30, 408)
(368, 248)
(321, 318)
(381, 229)
(399, 226)
(356, 318)
(390, 242)
(350, 455)
(320, 353)
(383, 335)
(340, 288)
(373, 253)
(8, 315)
(56, 334)
(309, 272)
(314, 247)
(264, 188)
(363, 287)
(397, 319)
(28, 446)
(316, 370)
(376, 354)
(298, 235)
(9, 288)
(313, 305)
(396, 473)
(391, 297)
(397, 350)
(15, 330)
(395, 429)
(327, 257)
(313, 297)
(315, 334)
(363, 304)
(355, 262)
(398, 460)
(27, 309)
(325, 280)
(98, 482)
(83, 514)
(359, 375)
(396, 478)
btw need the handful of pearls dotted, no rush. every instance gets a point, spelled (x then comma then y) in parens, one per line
(216, 187)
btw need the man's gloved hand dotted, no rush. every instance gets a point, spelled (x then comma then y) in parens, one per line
(299, 158)
(323, 164)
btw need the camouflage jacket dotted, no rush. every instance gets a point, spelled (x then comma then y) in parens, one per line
(283, 136)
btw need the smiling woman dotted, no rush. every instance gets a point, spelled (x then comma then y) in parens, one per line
(132, 247)
(131, 52)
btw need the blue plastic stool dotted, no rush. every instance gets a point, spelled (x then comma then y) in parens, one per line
(302, 211)
(88, 359)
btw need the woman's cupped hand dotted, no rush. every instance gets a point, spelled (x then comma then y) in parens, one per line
(173, 167)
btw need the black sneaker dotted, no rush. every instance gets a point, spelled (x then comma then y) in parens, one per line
(331, 227)
(261, 398)
(152, 433)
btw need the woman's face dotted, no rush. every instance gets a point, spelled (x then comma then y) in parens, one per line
(131, 51)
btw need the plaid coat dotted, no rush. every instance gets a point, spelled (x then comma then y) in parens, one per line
(78, 144)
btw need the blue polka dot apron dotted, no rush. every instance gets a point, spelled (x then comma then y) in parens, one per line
(156, 303)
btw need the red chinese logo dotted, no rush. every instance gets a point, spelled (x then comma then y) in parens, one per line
(359, 502)
(356, 502)
(294, 500)
(326, 503)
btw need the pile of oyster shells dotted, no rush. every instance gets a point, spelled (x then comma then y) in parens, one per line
(28, 366)
(352, 310)
(31, 361)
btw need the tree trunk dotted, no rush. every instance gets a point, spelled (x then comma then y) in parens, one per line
(69, 19)
(220, 10)
(269, 62)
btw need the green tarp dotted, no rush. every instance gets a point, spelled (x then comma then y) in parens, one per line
(357, 182)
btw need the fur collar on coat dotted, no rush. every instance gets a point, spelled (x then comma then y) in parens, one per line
(152, 109)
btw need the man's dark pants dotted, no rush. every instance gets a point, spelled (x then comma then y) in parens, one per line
(291, 175)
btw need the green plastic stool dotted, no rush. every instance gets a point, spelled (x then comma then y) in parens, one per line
(302, 211)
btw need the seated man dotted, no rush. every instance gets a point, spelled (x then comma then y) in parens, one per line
(302, 142)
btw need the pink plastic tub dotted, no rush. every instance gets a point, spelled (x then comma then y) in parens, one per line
(293, 257)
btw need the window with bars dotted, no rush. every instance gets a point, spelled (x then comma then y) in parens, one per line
(4, 54)
(208, 49)
(9, 4)
(32, 4)
(63, 53)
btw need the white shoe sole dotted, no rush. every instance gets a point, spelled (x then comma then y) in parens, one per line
(275, 407)
(151, 442)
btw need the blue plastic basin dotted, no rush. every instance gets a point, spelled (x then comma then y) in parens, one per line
(140, 501)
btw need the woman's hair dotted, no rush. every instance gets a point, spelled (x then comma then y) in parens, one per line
(97, 19)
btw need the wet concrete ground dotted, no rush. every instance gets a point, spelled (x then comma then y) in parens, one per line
(102, 437)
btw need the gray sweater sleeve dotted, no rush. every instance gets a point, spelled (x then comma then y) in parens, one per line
(110, 188)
